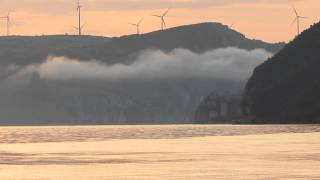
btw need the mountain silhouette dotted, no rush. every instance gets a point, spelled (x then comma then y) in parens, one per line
(23, 50)
(286, 88)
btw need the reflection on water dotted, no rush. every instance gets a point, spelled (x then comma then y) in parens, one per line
(101, 133)
(82, 158)
(183, 152)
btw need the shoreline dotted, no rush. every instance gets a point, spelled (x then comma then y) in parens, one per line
(150, 124)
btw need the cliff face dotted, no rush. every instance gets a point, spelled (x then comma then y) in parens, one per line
(286, 88)
(148, 102)
(219, 108)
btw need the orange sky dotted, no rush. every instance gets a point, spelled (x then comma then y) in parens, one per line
(268, 20)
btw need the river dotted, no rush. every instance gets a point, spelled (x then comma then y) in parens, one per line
(160, 152)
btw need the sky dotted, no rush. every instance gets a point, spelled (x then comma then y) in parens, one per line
(268, 20)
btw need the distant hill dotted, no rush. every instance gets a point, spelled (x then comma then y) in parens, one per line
(24, 50)
(286, 88)
(197, 38)
(26, 98)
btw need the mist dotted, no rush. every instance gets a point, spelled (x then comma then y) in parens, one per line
(225, 64)
(157, 87)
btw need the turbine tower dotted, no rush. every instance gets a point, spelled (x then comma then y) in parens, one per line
(7, 17)
(80, 27)
(137, 25)
(297, 19)
(162, 17)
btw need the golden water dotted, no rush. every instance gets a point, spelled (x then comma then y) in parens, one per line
(160, 152)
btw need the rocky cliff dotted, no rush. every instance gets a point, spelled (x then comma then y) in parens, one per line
(286, 88)
(223, 107)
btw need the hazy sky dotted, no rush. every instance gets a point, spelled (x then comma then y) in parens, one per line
(269, 20)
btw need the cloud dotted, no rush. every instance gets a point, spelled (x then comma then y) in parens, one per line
(115, 5)
(158, 4)
(223, 64)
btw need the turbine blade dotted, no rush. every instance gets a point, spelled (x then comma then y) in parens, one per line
(164, 22)
(295, 10)
(156, 16)
(140, 21)
(166, 12)
(295, 20)
(174, 16)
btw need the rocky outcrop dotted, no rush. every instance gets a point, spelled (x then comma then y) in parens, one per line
(219, 108)
(286, 88)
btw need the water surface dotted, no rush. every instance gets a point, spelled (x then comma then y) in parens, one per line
(101, 133)
(160, 152)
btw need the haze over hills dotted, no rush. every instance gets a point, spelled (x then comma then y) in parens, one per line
(286, 88)
(159, 77)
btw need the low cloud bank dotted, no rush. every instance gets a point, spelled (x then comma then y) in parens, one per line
(228, 63)
(130, 93)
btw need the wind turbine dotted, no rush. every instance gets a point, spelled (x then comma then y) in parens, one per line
(80, 27)
(137, 25)
(162, 17)
(7, 17)
(231, 26)
(297, 19)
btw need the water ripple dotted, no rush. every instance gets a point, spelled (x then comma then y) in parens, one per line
(101, 133)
